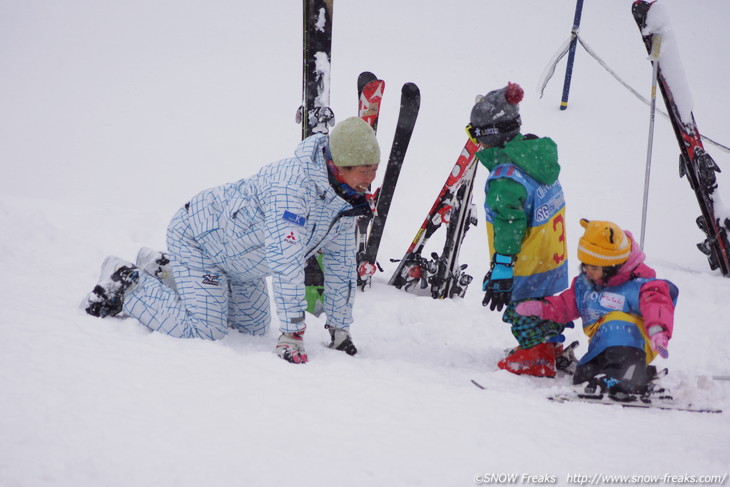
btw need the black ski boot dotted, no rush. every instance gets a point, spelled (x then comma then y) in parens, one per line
(107, 297)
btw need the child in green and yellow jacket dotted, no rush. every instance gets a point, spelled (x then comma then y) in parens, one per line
(525, 212)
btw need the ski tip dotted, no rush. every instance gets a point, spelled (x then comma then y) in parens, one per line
(411, 89)
(369, 75)
(639, 10)
(411, 97)
(363, 79)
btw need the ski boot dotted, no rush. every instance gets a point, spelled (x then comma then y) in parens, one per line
(565, 360)
(595, 388)
(157, 264)
(654, 391)
(538, 361)
(107, 297)
(604, 386)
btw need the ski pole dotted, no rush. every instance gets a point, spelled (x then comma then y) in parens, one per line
(655, 53)
(571, 54)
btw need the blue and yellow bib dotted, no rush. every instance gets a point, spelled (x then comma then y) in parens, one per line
(541, 268)
(612, 316)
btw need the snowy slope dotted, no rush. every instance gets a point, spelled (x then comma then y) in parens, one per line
(115, 113)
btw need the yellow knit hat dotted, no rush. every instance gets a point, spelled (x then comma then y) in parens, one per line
(603, 244)
(353, 143)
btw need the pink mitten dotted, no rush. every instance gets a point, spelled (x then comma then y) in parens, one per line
(530, 308)
(660, 342)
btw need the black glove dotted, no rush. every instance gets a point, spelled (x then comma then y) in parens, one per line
(341, 340)
(497, 284)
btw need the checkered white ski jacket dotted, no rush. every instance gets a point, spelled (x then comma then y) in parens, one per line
(270, 223)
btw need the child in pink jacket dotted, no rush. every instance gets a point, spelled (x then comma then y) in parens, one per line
(626, 312)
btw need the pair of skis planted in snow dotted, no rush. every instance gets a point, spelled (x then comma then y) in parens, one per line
(370, 228)
(453, 207)
(370, 94)
(694, 162)
(316, 116)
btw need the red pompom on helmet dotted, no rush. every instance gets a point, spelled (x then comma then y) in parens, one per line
(514, 93)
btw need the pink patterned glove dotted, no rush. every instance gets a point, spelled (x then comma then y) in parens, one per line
(530, 308)
(290, 347)
(660, 342)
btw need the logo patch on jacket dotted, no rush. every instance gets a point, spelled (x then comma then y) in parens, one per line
(613, 301)
(212, 279)
(294, 218)
(291, 238)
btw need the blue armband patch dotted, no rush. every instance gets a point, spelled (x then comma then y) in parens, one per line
(294, 218)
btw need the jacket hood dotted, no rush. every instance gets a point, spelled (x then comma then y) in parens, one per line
(314, 163)
(538, 157)
(633, 267)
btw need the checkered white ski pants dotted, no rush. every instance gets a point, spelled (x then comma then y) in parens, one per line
(207, 302)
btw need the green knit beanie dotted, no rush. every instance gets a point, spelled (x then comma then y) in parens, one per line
(353, 143)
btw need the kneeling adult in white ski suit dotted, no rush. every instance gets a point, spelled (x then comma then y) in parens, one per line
(226, 240)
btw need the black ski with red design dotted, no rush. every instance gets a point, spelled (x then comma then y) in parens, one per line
(369, 96)
(694, 162)
(452, 207)
(410, 103)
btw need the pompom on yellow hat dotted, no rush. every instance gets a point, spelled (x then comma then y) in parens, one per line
(603, 244)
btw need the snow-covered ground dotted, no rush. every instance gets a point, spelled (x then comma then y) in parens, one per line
(112, 114)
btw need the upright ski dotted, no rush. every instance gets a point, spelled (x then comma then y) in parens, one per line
(694, 162)
(450, 280)
(415, 269)
(364, 78)
(315, 114)
(369, 93)
(409, 106)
